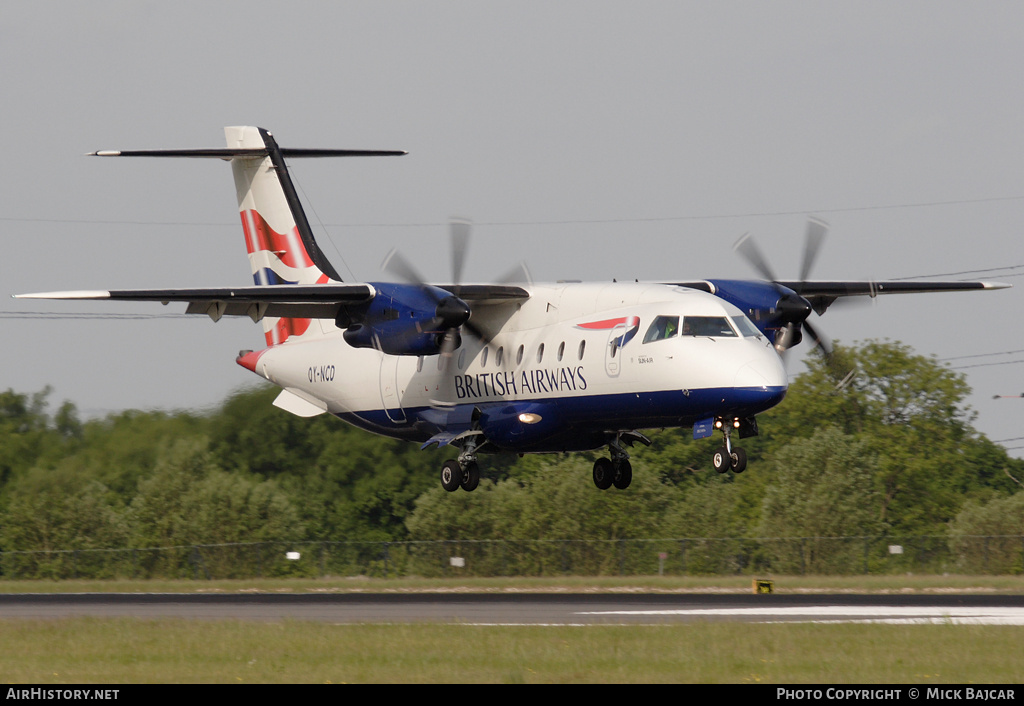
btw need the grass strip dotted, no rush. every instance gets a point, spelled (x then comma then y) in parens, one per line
(127, 651)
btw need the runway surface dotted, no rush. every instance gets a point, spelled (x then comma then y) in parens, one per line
(525, 608)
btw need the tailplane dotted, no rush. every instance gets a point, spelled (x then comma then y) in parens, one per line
(281, 246)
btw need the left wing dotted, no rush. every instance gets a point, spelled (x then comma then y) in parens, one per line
(821, 294)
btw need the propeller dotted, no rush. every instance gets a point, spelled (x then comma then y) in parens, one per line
(451, 314)
(792, 309)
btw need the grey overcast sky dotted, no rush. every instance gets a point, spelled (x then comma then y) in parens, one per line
(590, 139)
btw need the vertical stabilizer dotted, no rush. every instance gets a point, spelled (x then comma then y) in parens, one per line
(282, 249)
(281, 246)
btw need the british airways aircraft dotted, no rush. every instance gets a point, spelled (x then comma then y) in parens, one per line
(510, 367)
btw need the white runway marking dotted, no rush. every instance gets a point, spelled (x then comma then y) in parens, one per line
(850, 614)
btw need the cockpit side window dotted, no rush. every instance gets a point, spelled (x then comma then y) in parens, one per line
(745, 326)
(713, 326)
(661, 328)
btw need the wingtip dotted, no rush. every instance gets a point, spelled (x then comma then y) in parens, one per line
(995, 285)
(84, 294)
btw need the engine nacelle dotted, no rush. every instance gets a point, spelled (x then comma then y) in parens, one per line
(405, 319)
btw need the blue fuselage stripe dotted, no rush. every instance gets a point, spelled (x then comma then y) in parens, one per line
(583, 420)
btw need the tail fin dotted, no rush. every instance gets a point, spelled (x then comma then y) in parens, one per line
(280, 243)
(282, 249)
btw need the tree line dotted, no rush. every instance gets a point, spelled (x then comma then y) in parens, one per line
(890, 450)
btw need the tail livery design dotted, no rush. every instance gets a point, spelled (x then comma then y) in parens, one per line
(277, 236)
(282, 249)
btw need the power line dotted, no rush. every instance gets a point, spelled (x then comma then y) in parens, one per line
(572, 221)
(982, 355)
(971, 272)
(91, 221)
(75, 316)
(985, 365)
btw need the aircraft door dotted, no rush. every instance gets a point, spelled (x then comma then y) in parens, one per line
(613, 351)
(390, 394)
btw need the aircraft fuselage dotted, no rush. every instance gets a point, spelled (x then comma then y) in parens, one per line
(573, 355)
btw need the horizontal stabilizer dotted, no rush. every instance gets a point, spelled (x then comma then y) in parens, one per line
(243, 152)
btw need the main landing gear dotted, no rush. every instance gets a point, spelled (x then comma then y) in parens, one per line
(729, 457)
(617, 470)
(614, 471)
(463, 472)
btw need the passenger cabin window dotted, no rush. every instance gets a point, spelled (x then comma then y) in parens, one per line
(713, 326)
(561, 349)
(499, 356)
(483, 357)
(661, 328)
(540, 353)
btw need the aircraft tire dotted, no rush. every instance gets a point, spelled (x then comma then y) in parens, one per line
(623, 474)
(451, 475)
(603, 473)
(471, 476)
(739, 460)
(721, 460)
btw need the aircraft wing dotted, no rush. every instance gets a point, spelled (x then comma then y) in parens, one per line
(487, 293)
(821, 294)
(311, 301)
(319, 301)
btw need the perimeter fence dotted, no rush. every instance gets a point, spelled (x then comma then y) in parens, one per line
(1003, 554)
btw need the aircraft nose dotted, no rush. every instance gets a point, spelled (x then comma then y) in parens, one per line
(762, 381)
(764, 370)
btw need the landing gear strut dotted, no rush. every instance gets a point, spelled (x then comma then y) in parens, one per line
(729, 457)
(463, 472)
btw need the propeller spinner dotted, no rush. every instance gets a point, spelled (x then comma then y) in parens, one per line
(791, 309)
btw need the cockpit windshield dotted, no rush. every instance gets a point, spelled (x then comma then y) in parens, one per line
(713, 326)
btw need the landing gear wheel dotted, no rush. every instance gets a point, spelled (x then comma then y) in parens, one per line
(470, 476)
(451, 475)
(603, 473)
(739, 460)
(721, 460)
(623, 474)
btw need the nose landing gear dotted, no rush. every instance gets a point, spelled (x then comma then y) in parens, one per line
(729, 457)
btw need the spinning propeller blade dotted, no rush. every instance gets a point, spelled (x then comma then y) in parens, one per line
(452, 314)
(791, 308)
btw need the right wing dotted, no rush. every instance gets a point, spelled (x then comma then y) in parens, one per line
(306, 301)
(319, 301)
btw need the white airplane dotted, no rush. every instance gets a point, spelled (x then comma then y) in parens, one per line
(503, 368)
